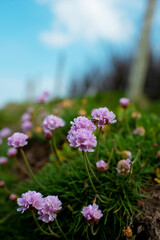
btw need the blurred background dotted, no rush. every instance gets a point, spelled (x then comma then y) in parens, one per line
(79, 47)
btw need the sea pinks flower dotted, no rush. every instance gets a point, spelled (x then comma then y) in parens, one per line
(12, 152)
(91, 213)
(123, 167)
(139, 131)
(83, 139)
(43, 98)
(126, 154)
(52, 122)
(26, 126)
(102, 166)
(48, 134)
(2, 184)
(82, 122)
(124, 102)
(30, 110)
(26, 117)
(103, 116)
(3, 160)
(49, 209)
(18, 140)
(13, 197)
(5, 132)
(30, 199)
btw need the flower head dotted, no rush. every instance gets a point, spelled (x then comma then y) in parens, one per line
(50, 206)
(12, 152)
(3, 160)
(5, 132)
(83, 139)
(26, 117)
(91, 213)
(52, 122)
(26, 126)
(126, 154)
(48, 134)
(123, 167)
(124, 102)
(13, 197)
(17, 140)
(83, 122)
(139, 131)
(2, 184)
(30, 199)
(103, 116)
(102, 166)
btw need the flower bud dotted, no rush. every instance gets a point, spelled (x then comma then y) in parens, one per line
(2, 184)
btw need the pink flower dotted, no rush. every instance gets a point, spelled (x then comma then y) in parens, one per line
(103, 116)
(26, 117)
(3, 160)
(48, 134)
(83, 139)
(2, 184)
(18, 140)
(102, 166)
(30, 199)
(50, 206)
(139, 131)
(123, 167)
(124, 102)
(13, 197)
(12, 152)
(52, 122)
(5, 132)
(83, 122)
(26, 126)
(91, 213)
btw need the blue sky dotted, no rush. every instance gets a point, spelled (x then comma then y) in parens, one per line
(37, 35)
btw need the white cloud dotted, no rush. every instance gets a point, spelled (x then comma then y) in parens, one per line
(89, 21)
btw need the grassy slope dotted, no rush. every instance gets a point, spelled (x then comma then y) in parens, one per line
(71, 183)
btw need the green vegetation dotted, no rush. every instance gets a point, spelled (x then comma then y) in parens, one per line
(117, 197)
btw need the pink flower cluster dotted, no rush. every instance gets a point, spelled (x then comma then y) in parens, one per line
(102, 166)
(12, 152)
(80, 134)
(103, 116)
(52, 122)
(43, 98)
(30, 199)
(83, 122)
(91, 213)
(3, 160)
(47, 207)
(123, 167)
(26, 122)
(5, 132)
(18, 140)
(124, 102)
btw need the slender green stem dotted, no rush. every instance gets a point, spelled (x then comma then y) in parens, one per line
(30, 170)
(60, 229)
(92, 231)
(38, 225)
(20, 166)
(85, 162)
(54, 148)
(98, 139)
(53, 234)
(90, 167)
(6, 217)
